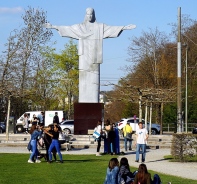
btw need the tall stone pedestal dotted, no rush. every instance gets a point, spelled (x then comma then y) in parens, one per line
(86, 116)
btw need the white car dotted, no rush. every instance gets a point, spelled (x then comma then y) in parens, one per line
(155, 128)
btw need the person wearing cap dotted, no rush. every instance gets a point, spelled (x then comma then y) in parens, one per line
(141, 141)
(127, 130)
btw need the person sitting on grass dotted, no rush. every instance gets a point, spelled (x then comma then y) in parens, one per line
(112, 172)
(125, 175)
(142, 176)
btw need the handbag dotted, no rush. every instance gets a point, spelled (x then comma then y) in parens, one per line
(96, 135)
(129, 135)
(103, 135)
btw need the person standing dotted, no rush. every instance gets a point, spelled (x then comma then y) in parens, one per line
(117, 140)
(106, 140)
(111, 141)
(25, 123)
(34, 120)
(143, 176)
(127, 130)
(47, 142)
(56, 118)
(141, 140)
(35, 132)
(55, 143)
(98, 129)
(40, 117)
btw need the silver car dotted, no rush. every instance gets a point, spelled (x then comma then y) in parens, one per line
(67, 126)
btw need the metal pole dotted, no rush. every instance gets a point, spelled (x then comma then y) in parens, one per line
(140, 107)
(146, 112)
(179, 107)
(150, 125)
(186, 117)
(161, 124)
(7, 121)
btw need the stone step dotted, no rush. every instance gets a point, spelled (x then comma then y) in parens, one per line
(82, 141)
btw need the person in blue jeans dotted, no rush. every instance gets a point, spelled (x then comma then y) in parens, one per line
(141, 141)
(35, 132)
(112, 172)
(127, 130)
(55, 143)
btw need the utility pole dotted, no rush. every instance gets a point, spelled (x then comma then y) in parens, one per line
(179, 108)
(186, 89)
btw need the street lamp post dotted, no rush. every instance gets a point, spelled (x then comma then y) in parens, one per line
(8, 118)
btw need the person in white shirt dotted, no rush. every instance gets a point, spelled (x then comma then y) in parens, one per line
(98, 129)
(141, 141)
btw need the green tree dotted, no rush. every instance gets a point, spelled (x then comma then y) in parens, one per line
(66, 69)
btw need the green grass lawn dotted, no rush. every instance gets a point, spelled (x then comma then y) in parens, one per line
(76, 169)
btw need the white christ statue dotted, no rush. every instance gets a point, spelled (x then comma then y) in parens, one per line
(90, 50)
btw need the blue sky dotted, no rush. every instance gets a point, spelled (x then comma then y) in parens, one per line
(144, 14)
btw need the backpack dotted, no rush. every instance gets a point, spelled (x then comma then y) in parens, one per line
(40, 141)
(127, 178)
(156, 179)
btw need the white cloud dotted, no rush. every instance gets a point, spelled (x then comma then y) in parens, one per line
(11, 10)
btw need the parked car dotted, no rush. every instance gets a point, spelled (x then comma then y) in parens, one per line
(2, 127)
(67, 126)
(194, 131)
(155, 128)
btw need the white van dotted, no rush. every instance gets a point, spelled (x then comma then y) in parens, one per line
(48, 118)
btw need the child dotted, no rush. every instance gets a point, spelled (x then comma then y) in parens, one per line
(112, 172)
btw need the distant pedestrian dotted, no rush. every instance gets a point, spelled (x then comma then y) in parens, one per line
(34, 120)
(40, 117)
(25, 123)
(111, 141)
(141, 141)
(127, 130)
(56, 118)
(106, 140)
(99, 130)
(117, 140)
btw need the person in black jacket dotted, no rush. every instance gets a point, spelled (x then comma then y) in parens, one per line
(111, 140)
(47, 142)
(56, 118)
(55, 143)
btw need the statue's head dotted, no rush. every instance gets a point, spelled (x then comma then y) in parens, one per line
(90, 15)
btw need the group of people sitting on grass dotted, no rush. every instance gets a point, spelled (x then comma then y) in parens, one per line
(50, 136)
(121, 174)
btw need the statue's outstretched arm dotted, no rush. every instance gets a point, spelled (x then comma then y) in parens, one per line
(130, 26)
(49, 26)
